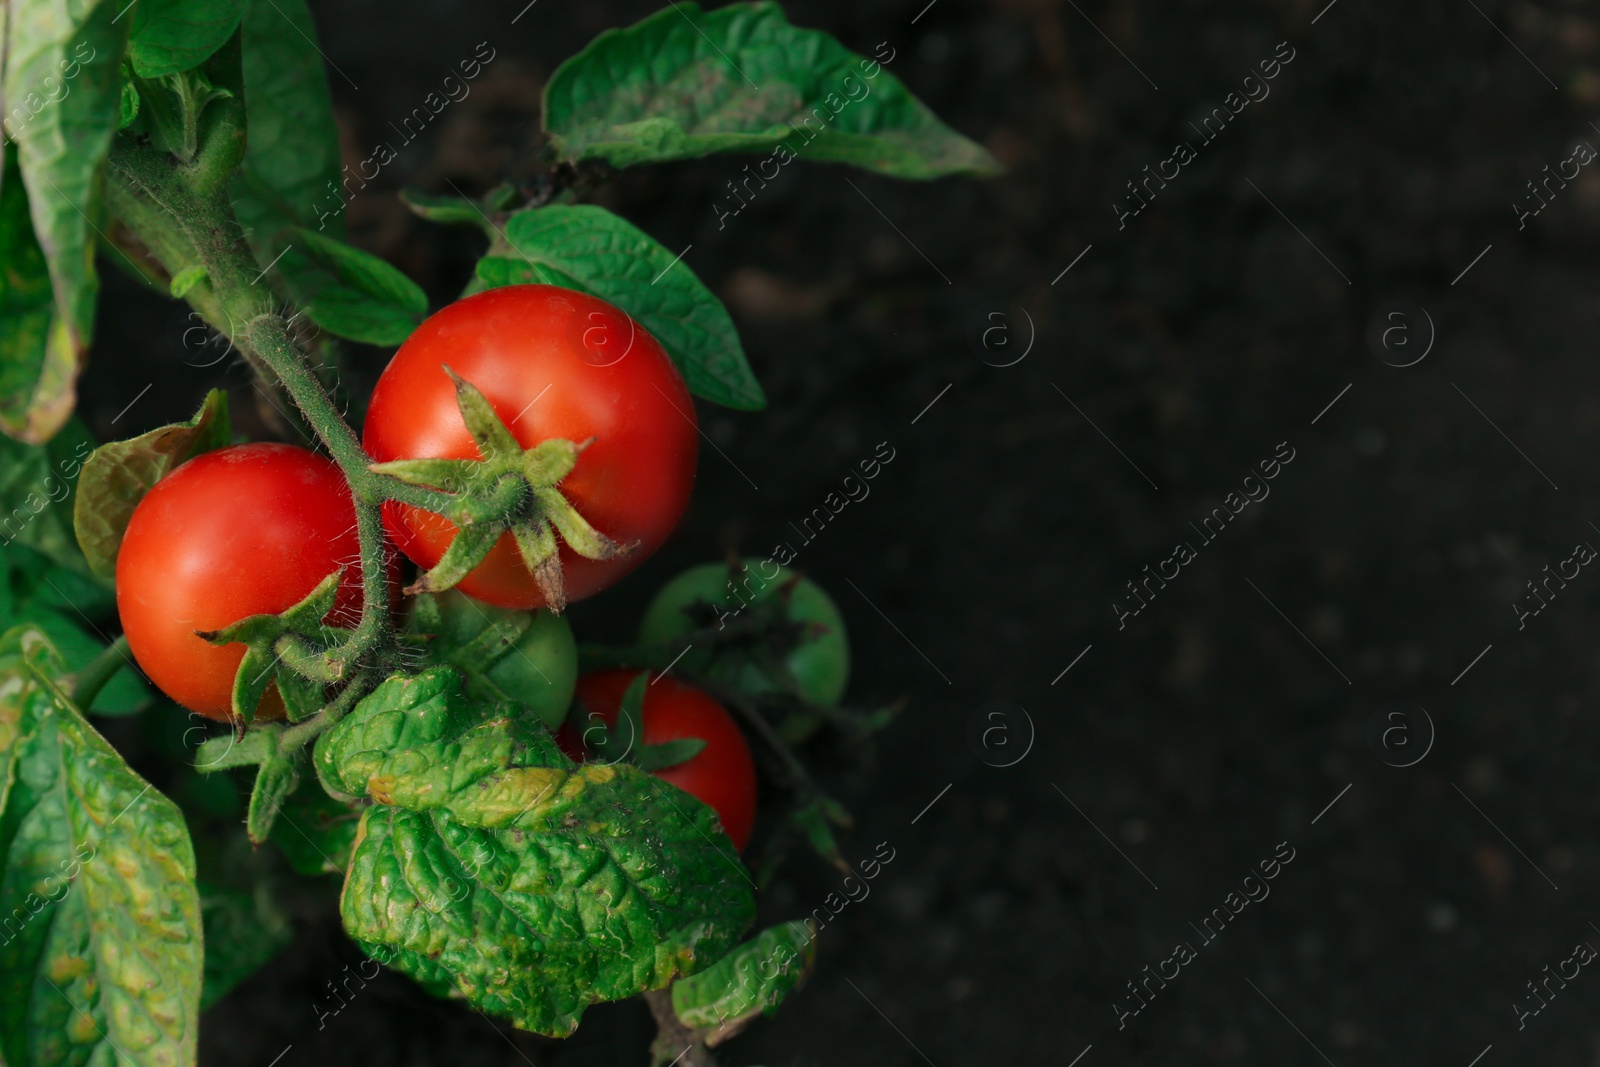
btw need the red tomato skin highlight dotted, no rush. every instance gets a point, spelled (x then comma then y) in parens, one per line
(723, 774)
(245, 530)
(547, 360)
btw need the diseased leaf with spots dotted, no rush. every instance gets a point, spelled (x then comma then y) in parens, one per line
(118, 475)
(173, 35)
(493, 867)
(101, 961)
(584, 247)
(748, 982)
(686, 82)
(62, 92)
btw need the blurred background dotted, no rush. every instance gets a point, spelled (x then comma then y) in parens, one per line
(1074, 365)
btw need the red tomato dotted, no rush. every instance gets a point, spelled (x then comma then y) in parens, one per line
(245, 530)
(554, 363)
(722, 775)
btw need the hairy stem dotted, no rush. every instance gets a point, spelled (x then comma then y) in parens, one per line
(182, 214)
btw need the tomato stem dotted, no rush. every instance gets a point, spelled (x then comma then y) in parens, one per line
(99, 671)
(184, 219)
(304, 732)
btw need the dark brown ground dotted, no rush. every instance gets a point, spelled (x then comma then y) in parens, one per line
(1198, 338)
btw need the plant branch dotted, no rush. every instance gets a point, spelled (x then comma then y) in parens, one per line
(98, 672)
(182, 214)
(675, 1043)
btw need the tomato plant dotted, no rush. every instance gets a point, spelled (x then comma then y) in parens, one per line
(530, 442)
(722, 773)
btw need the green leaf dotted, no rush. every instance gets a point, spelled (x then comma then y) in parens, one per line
(36, 491)
(457, 210)
(348, 292)
(102, 961)
(36, 368)
(60, 602)
(187, 279)
(128, 104)
(62, 93)
(630, 718)
(493, 867)
(747, 982)
(686, 82)
(316, 832)
(584, 247)
(668, 753)
(813, 818)
(291, 170)
(171, 108)
(243, 930)
(44, 579)
(118, 475)
(173, 35)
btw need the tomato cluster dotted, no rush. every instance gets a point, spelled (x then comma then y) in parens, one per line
(253, 529)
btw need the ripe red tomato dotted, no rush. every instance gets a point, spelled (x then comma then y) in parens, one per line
(722, 774)
(244, 530)
(554, 363)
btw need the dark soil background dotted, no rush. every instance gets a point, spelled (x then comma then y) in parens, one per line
(1182, 750)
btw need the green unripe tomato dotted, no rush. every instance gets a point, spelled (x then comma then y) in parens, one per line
(526, 657)
(815, 653)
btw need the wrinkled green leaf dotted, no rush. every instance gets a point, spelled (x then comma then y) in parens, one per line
(243, 930)
(102, 958)
(747, 982)
(173, 35)
(348, 292)
(492, 866)
(62, 96)
(118, 475)
(584, 247)
(686, 82)
(291, 170)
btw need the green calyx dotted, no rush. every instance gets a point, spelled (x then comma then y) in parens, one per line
(510, 490)
(296, 649)
(280, 756)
